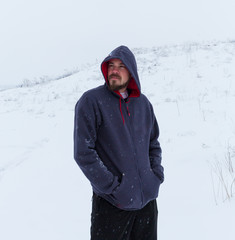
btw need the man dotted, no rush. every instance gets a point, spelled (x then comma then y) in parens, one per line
(116, 146)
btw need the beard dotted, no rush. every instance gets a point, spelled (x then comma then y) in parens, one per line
(114, 85)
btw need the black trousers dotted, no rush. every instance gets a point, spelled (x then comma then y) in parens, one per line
(111, 223)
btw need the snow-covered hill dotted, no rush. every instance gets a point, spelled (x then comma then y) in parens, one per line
(44, 195)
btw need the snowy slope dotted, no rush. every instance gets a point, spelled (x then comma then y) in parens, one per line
(44, 195)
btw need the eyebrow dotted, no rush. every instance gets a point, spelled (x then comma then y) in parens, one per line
(121, 63)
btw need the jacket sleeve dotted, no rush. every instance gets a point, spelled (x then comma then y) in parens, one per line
(86, 124)
(155, 151)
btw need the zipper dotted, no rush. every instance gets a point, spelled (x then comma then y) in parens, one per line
(127, 107)
(134, 150)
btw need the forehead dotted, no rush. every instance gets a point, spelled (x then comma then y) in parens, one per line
(116, 61)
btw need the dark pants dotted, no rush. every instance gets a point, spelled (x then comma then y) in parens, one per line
(111, 223)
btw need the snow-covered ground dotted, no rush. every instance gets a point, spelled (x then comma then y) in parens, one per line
(44, 195)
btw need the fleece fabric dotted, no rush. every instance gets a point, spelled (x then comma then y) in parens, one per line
(116, 141)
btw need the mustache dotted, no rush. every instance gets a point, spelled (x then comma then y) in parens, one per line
(114, 75)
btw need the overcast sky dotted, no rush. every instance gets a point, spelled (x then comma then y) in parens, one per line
(47, 37)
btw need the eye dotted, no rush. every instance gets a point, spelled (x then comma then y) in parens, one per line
(110, 65)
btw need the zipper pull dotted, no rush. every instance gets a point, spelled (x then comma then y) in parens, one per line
(128, 111)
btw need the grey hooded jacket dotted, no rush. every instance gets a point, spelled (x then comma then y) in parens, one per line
(116, 141)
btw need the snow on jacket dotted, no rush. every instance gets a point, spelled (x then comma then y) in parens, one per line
(116, 141)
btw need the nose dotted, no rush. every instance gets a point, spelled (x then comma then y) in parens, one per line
(114, 69)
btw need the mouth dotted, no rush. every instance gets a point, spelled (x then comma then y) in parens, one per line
(114, 77)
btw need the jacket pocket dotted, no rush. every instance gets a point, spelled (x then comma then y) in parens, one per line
(127, 194)
(151, 183)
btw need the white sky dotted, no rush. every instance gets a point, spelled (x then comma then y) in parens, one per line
(47, 37)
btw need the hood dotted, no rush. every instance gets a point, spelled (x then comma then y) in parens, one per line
(127, 57)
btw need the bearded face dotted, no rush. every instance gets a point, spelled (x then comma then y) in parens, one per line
(118, 75)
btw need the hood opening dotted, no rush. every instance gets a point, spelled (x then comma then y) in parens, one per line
(132, 86)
